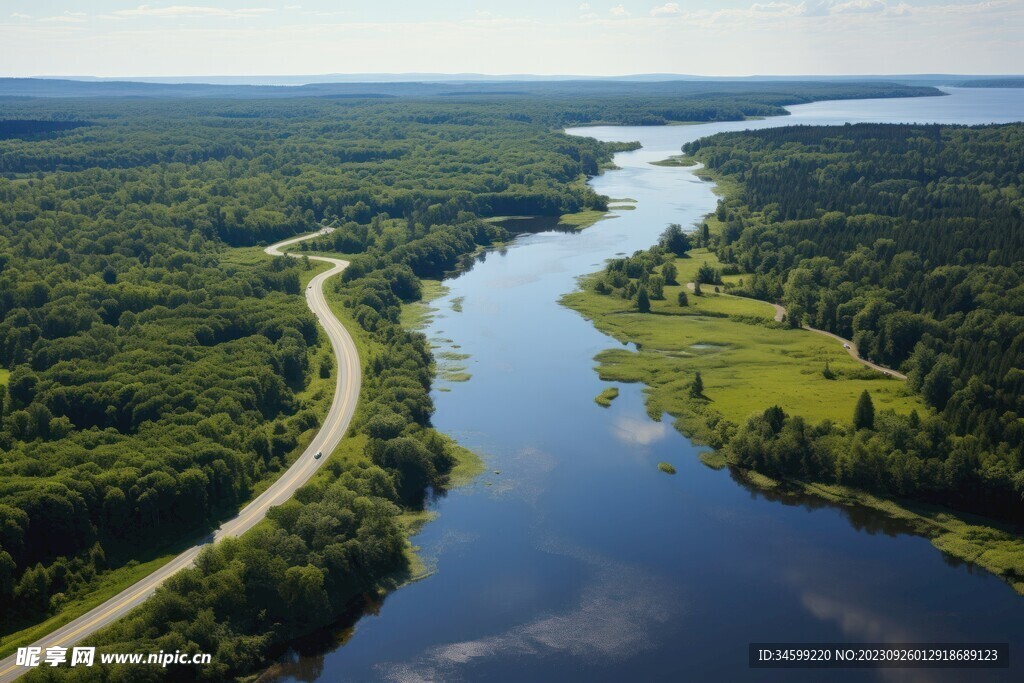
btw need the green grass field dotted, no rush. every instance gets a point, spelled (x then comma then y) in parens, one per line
(4, 376)
(676, 160)
(747, 361)
(583, 219)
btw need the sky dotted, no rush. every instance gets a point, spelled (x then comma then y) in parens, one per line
(121, 38)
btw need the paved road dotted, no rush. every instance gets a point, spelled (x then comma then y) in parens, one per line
(346, 394)
(851, 348)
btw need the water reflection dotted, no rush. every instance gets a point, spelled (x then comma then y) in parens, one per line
(616, 616)
(641, 432)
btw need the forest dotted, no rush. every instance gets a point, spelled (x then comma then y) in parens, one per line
(908, 239)
(155, 380)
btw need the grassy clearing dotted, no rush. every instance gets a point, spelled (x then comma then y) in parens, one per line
(583, 219)
(747, 361)
(605, 398)
(676, 160)
(5, 375)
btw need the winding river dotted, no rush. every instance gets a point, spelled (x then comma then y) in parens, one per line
(573, 558)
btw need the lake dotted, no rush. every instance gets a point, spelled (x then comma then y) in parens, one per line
(580, 561)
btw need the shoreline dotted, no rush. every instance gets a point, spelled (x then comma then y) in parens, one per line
(981, 542)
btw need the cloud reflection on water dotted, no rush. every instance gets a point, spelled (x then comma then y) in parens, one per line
(642, 432)
(618, 615)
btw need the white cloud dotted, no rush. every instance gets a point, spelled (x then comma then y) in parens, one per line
(619, 11)
(859, 7)
(668, 9)
(191, 11)
(584, 7)
(66, 18)
(19, 15)
(778, 7)
(765, 36)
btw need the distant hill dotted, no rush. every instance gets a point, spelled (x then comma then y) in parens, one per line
(417, 77)
(807, 90)
(1013, 82)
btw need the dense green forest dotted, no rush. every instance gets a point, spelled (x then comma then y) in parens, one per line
(154, 379)
(910, 241)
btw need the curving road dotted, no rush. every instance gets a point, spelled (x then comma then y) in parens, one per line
(346, 394)
(851, 348)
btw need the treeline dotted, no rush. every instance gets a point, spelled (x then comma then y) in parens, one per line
(910, 241)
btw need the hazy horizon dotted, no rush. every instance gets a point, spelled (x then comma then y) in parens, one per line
(402, 77)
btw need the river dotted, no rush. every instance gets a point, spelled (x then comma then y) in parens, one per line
(580, 561)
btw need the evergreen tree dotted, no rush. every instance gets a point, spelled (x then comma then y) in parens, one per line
(656, 287)
(864, 413)
(697, 388)
(707, 275)
(683, 299)
(643, 303)
(827, 372)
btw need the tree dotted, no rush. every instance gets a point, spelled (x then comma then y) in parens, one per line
(696, 289)
(938, 384)
(707, 275)
(643, 303)
(827, 371)
(656, 287)
(705, 235)
(697, 387)
(670, 273)
(675, 240)
(864, 413)
(775, 417)
(683, 299)
(303, 594)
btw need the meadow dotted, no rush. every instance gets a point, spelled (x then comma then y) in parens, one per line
(747, 361)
